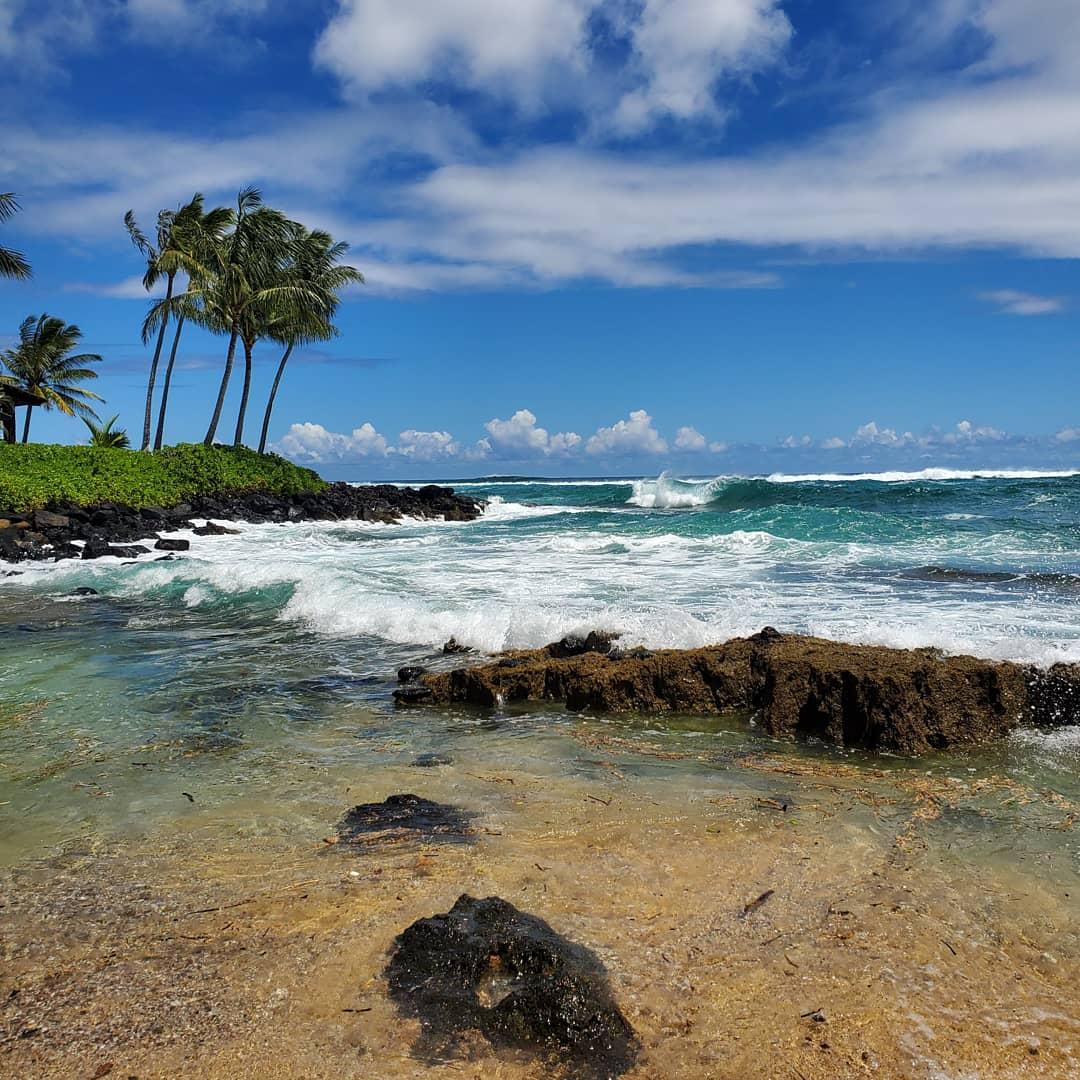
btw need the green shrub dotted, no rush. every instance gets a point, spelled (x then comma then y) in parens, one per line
(36, 474)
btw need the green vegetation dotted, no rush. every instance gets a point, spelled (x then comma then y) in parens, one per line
(31, 476)
(106, 435)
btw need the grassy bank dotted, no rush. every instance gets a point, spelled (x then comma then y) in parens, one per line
(34, 475)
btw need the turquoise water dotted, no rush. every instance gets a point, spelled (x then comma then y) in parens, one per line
(260, 661)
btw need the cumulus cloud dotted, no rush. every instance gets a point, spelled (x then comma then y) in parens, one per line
(313, 443)
(521, 437)
(1014, 302)
(835, 443)
(689, 440)
(1068, 435)
(796, 442)
(967, 432)
(628, 438)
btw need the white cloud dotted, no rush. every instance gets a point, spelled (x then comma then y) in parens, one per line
(683, 48)
(870, 434)
(427, 445)
(490, 44)
(967, 432)
(520, 436)
(1068, 435)
(834, 443)
(628, 438)
(689, 440)
(1014, 302)
(796, 442)
(313, 443)
(719, 447)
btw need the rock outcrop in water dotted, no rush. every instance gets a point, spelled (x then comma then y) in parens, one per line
(49, 533)
(486, 966)
(404, 818)
(899, 700)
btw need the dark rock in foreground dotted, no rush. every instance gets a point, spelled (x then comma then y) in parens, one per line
(900, 700)
(402, 818)
(486, 966)
(48, 533)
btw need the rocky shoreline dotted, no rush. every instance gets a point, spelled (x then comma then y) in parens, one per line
(897, 700)
(65, 531)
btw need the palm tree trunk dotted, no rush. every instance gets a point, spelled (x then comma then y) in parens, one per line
(238, 439)
(153, 370)
(26, 424)
(160, 433)
(220, 404)
(270, 400)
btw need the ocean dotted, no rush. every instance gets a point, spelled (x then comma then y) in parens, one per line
(205, 721)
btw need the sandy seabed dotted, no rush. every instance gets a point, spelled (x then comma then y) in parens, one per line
(914, 927)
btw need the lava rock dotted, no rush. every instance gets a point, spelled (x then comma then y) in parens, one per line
(453, 646)
(413, 694)
(486, 966)
(84, 590)
(168, 544)
(212, 529)
(411, 673)
(405, 817)
(598, 641)
(45, 519)
(906, 701)
(128, 551)
(96, 548)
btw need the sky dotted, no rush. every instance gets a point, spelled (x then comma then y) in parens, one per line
(599, 237)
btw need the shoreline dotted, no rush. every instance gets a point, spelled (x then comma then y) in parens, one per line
(62, 530)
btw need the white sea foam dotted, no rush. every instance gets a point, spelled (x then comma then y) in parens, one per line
(669, 493)
(898, 477)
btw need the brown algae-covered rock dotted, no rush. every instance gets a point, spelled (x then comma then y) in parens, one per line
(908, 701)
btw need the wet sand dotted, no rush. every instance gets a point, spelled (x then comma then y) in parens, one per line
(917, 925)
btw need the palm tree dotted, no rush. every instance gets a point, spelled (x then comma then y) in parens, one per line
(167, 256)
(107, 436)
(41, 363)
(196, 234)
(314, 263)
(236, 288)
(12, 263)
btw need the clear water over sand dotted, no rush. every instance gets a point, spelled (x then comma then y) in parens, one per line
(174, 751)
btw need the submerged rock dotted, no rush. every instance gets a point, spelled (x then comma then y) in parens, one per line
(84, 590)
(909, 701)
(411, 673)
(431, 761)
(486, 966)
(405, 817)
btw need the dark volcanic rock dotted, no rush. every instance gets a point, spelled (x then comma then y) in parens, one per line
(84, 590)
(213, 529)
(413, 694)
(96, 549)
(906, 701)
(411, 673)
(56, 525)
(454, 646)
(128, 551)
(597, 641)
(405, 817)
(486, 966)
(168, 544)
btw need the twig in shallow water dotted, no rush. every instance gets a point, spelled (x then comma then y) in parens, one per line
(755, 904)
(602, 802)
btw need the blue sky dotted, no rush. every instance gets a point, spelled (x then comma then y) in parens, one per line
(599, 236)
